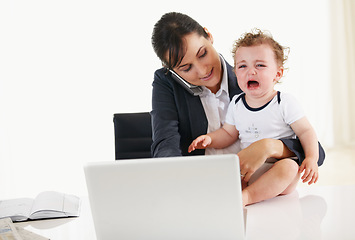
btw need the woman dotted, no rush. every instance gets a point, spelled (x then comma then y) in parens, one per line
(178, 117)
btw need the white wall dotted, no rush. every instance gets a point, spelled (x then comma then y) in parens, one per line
(66, 66)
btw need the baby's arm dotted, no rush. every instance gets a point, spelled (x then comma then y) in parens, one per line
(221, 138)
(309, 141)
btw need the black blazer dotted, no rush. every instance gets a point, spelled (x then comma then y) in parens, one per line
(178, 118)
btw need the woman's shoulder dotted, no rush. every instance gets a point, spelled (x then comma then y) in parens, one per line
(161, 77)
(160, 73)
(164, 84)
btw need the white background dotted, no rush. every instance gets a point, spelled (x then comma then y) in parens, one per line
(67, 66)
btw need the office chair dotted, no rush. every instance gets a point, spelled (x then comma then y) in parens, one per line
(133, 135)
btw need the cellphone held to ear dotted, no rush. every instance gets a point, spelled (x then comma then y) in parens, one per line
(192, 89)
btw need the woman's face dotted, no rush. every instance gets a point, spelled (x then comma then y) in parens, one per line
(201, 64)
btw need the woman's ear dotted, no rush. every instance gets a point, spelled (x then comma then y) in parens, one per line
(209, 34)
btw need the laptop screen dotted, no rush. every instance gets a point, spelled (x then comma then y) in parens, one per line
(197, 197)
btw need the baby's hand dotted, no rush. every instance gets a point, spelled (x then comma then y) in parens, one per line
(310, 168)
(201, 142)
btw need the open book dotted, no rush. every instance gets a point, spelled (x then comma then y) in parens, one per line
(46, 205)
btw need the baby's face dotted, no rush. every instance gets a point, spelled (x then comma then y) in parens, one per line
(257, 70)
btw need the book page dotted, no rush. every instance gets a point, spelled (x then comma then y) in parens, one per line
(54, 204)
(48, 205)
(16, 209)
(71, 205)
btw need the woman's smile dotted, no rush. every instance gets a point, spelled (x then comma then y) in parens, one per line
(208, 77)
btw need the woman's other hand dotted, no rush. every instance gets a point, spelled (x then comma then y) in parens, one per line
(255, 155)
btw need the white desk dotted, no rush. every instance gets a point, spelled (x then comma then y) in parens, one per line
(324, 212)
(312, 212)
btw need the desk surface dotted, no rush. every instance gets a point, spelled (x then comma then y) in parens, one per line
(324, 212)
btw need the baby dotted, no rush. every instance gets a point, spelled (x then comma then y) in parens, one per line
(262, 112)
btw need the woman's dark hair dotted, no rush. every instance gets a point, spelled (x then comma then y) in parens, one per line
(168, 34)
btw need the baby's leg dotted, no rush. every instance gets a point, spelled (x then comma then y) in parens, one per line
(282, 178)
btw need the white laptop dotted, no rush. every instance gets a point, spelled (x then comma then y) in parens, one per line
(181, 198)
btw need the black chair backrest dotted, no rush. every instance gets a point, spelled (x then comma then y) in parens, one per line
(133, 135)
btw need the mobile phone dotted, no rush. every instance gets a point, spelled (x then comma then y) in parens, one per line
(192, 89)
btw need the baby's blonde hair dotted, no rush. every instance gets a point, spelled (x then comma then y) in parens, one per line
(257, 37)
